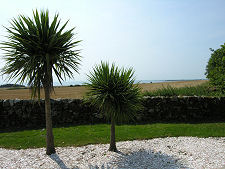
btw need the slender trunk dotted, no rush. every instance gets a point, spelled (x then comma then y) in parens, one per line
(50, 148)
(112, 146)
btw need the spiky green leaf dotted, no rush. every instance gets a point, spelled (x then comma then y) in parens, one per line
(36, 48)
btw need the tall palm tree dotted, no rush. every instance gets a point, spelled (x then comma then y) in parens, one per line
(36, 49)
(113, 91)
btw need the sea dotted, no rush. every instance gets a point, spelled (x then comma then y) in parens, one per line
(69, 83)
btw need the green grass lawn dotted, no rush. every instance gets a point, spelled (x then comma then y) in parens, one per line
(93, 134)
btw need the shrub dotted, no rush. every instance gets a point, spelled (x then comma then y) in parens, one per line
(200, 90)
(215, 70)
(113, 92)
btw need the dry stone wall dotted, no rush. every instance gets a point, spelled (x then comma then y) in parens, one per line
(183, 109)
(30, 114)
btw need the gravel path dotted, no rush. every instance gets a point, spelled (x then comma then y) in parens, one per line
(159, 153)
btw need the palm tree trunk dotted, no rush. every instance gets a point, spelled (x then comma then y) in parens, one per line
(112, 146)
(50, 148)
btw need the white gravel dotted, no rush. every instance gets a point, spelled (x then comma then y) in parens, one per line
(159, 153)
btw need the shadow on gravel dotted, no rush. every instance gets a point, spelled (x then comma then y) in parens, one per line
(56, 158)
(142, 159)
(134, 160)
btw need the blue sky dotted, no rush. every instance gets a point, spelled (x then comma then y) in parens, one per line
(160, 39)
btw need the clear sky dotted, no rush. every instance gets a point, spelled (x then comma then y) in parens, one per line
(160, 39)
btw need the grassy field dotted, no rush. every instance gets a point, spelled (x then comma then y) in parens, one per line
(200, 90)
(94, 134)
(79, 91)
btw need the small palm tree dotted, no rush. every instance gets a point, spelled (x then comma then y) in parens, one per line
(113, 91)
(34, 51)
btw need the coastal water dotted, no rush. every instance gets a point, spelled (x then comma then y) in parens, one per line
(68, 83)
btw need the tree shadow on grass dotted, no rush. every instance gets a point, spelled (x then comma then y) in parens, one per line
(142, 159)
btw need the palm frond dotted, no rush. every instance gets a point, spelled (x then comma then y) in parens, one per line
(35, 48)
(112, 90)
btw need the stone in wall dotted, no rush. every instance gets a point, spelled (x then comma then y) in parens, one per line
(31, 114)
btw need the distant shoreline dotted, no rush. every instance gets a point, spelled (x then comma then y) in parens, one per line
(162, 81)
(82, 83)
